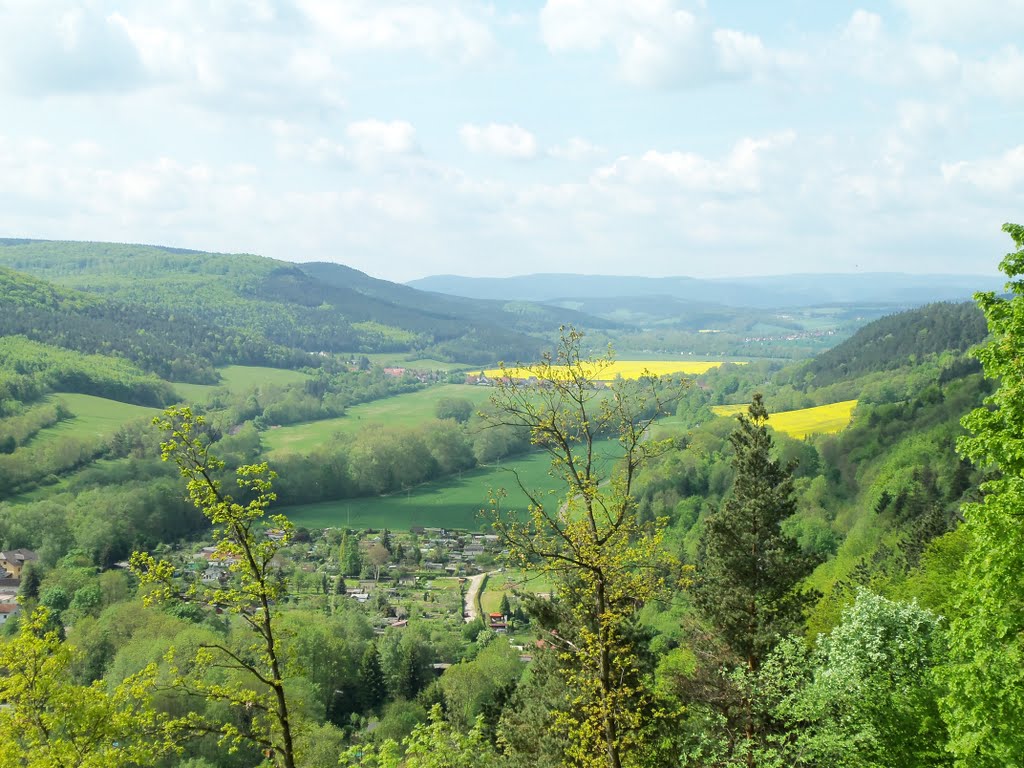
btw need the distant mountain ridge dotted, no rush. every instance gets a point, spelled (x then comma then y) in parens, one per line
(242, 308)
(766, 292)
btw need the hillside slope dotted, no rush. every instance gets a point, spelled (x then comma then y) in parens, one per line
(250, 302)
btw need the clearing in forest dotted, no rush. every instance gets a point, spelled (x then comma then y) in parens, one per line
(821, 419)
(407, 410)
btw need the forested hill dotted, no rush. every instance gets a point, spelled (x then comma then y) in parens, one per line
(251, 306)
(897, 341)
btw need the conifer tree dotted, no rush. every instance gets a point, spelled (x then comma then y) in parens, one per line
(372, 689)
(748, 569)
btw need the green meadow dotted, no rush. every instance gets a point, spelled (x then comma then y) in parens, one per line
(509, 580)
(454, 502)
(406, 410)
(240, 378)
(94, 417)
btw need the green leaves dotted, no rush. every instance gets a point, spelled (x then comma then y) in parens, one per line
(985, 675)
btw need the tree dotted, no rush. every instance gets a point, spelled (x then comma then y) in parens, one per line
(985, 675)
(48, 721)
(748, 569)
(378, 556)
(458, 409)
(606, 562)
(251, 596)
(372, 689)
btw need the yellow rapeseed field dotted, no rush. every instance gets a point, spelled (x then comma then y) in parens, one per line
(822, 419)
(633, 369)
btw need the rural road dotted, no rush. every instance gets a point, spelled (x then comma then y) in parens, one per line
(475, 582)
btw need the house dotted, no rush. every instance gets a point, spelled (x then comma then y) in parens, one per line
(14, 560)
(7, 611)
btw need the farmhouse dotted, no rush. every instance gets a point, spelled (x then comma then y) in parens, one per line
(14, 560)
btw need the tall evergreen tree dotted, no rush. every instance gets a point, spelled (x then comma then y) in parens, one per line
(372, 689)
(748, 569)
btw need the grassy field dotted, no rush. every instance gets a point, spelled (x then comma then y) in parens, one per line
(240, 378)
(406, 410)
(633, 369)
(822, 419)
(451, 503)
(94, 417)
(500, 583)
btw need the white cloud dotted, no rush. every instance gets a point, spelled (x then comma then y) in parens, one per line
(577, 150)
(995, 175)
(497, 139)
(956, 19)
(441, 29)
(376, 137)
(740, 171)
(1000, 74)
(52, 47)
(658, 43)
(866, 47)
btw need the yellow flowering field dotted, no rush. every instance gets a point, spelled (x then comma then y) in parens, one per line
(822, 419)
(632, 369)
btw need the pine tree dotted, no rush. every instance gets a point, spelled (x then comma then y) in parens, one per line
(372, 689)
(748, 569)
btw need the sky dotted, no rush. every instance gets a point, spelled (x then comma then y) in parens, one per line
(623, 137)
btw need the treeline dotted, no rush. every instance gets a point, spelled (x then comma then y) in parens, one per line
(29, 369)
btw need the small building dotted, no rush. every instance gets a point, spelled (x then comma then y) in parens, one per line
(14, 560)
(7, 611)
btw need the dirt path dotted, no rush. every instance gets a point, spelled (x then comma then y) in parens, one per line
(475, 582)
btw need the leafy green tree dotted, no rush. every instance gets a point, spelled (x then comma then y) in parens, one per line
(458, 409)
(985, 705)
(748, 569)
(606, 562)
(48, 721)
(435, 744)
(251, 596)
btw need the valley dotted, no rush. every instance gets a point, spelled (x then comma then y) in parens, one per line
(393, 434)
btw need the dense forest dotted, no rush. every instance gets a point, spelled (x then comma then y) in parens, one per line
(718, 594)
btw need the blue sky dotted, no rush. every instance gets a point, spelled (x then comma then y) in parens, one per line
(648, 137)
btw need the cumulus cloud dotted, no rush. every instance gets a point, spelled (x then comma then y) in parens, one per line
(739, 171)
(53, 47)
(441, 29)
(377, 137)
(955, 19)
(497, 139)
(658, 43)
(995, 175)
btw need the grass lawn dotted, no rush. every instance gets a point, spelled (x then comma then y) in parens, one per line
(450, 503)
(240, 378)
(94, 417)
(406, 410)
(500, 583)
